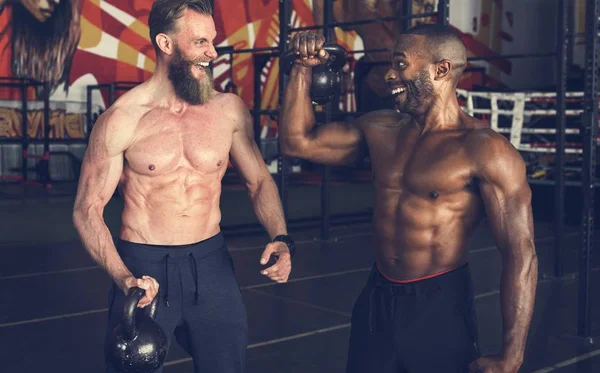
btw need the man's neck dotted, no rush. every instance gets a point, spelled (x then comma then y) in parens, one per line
(444, 113)
(162, 89)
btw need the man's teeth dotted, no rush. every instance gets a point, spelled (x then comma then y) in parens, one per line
(202, 64)
(398, 90)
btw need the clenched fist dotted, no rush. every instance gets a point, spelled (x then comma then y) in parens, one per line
(147, 283)
(280, 271)
(308, 48)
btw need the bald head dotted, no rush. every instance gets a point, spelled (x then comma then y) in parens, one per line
(442, 43)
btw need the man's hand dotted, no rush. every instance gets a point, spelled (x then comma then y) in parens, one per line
(493, 364)
(280, 271)
(147, 283)
(308, 49)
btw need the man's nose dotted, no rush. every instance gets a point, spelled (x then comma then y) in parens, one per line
(212, 52)
(391, 75)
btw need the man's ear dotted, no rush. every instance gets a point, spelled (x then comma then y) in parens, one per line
(165, 43)
(442, 69)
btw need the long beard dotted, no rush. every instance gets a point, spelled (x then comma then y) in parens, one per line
(187, 87)
(418, 93)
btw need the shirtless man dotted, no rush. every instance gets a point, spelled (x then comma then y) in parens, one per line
(437, 173)
(166, 144)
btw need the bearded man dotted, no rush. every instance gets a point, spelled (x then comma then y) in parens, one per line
(166, 144)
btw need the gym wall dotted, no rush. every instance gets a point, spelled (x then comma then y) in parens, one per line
(107, 40)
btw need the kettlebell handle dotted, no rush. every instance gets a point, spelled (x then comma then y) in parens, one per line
(130, 306)
(337, 57)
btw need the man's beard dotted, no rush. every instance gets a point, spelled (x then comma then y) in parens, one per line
(419, 92)
(187, 87)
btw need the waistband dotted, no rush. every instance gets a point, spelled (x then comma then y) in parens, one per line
(155, 252)
(453, 279)
(173, 253)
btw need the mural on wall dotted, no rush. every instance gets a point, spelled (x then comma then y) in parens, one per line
(39, 39)
(76, 43)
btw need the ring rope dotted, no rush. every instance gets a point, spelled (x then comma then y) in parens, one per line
(521, 116)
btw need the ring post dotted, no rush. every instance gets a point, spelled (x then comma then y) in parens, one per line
(326, 170)
(284, 20)
(590, 129)
(24, 134)
(443, 12)
(45, 161)
(559, 171)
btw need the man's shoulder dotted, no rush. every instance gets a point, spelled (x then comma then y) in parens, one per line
(128, 109)
(120, 120)
(383, 118)
(487, 140)
(233, 108)
(229, 101)
(494, 155)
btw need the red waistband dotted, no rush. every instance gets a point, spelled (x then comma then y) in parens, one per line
(413, 279)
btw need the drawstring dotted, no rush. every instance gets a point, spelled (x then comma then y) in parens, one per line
(166, 296)
(167, 279)
(195, 277)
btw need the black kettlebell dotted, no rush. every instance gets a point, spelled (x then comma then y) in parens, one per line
(137, 344)
(326, 78)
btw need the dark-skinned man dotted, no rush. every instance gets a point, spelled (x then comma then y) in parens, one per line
(437, 174)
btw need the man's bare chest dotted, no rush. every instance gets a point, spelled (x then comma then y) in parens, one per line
(431, 165)
(191, 144)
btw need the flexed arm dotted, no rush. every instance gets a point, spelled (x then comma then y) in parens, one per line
(331, 143)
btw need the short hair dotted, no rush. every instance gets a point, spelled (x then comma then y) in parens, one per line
(165, 13)
(443, 42)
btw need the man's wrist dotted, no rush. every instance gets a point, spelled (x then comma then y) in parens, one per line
(288, 240)
(512, 357)
(121, 281)
(302, 72)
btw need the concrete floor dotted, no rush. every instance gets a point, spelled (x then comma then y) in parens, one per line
(53, 306)
(53, 298)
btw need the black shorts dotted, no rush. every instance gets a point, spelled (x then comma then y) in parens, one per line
(200, 300)
(423, 326)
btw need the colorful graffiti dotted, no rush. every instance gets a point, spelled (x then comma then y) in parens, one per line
(76, 43)
(63, 125)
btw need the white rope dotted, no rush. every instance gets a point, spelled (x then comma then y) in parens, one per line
(541, 131)
(537, 112)
(541, 149)
(511, 95)
(569, 113)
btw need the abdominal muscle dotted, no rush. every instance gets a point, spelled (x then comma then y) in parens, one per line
(416, 237)
(177, 208)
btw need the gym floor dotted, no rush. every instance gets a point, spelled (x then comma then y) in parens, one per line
(53, 298)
